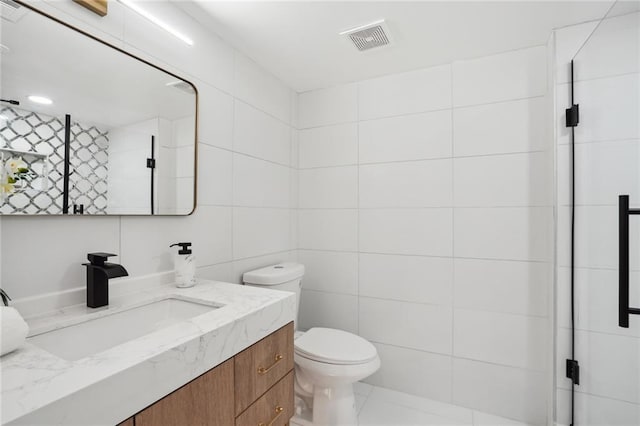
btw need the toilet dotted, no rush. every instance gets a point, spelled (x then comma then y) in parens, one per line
(327, 361)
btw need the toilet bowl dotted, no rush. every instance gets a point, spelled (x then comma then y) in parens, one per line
(327, 361)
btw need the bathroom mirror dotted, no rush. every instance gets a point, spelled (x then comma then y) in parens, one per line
(86, 128)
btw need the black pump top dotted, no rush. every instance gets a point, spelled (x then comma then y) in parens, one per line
(184, 248)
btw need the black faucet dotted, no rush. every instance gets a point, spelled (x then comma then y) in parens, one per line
(98, 273)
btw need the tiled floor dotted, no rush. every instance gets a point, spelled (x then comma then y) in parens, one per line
(383, 407)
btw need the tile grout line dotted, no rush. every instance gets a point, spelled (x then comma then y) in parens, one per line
(453, 278)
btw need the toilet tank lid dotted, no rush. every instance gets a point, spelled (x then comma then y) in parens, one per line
(274, 274)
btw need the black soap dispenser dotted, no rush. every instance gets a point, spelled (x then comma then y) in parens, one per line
(185, 266)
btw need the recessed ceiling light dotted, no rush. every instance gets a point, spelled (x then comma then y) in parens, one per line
(133, 6)
(40, 100)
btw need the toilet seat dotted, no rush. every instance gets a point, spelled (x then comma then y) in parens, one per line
(331, 346)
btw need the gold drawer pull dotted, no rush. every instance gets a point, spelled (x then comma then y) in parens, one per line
(279, 411)
(262, 370)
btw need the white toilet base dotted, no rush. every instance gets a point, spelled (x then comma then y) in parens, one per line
(335, 406)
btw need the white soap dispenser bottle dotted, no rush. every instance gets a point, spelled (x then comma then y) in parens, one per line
(185, 266)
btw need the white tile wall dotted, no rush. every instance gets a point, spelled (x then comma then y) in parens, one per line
(328, 229)
(329, 146)
(328, 106)
(406, 231)
(398, 94)
(260, 135)
(330, 187)
(406, 278)
(260, 183)
(331, 310)
(409, 325)
(511, 126)
(514, 233)
(406, 184)
(406, 137)
(417, 372)
(513, 75)
(506, 391)
(242, 108)
(335, 272)
(445, 253)
(480, 181)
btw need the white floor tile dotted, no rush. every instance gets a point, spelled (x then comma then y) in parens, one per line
(391, 408)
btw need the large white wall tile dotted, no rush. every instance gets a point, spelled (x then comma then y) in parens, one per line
(328, 106)
(261, 89)
(596, 304)
(416, 372)
(408, 278)
(260, 135)
(505, 339)
(335, 272)
(502, 286)
(406, 231)
(517, 233)
(512, 75)
(329, 146)
(259, 231)
(330, 187)
(513, 126)
(407, 137)
(568, 42)
(603, 170)
(260, 183)
(613, 49)
(594, 410)
(608, 109)
(328, 229)
(59, 246)
(415, 91)
(332, 310)
(503, 180)
(214, 176)
(215, 117)
(140, 235)
(506, 391)
(407, 184)
(609, 364)
(409, 325)
(596, 238)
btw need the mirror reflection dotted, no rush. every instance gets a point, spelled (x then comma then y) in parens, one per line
(88, 129)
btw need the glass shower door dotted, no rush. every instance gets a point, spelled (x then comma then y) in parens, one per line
(600, 163)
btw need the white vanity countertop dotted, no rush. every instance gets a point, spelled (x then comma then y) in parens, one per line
(107, 388)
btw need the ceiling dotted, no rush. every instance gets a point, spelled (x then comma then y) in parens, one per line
(93, 82)
(298, 41)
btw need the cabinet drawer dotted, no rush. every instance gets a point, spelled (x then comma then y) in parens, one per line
(274, 408)
(205, 401)
(262, 365)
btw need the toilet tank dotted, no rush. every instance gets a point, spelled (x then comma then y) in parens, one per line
(283, 276)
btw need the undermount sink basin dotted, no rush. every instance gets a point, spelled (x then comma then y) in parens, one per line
(99, 334)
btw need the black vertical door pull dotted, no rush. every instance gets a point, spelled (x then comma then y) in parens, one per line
(624, 310)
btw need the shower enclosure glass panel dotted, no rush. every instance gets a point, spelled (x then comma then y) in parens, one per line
(605, 154)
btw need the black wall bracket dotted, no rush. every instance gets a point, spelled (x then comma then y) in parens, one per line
(151, 163)
(573, 371)
(572, 115)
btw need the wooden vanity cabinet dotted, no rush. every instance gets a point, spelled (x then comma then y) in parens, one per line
(253, 388)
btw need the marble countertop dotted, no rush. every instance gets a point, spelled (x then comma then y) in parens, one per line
(107, 388)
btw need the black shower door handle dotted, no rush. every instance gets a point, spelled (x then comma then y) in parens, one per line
(623, 251)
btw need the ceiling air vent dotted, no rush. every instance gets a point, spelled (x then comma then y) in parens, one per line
(369, 36)
(11, 11)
